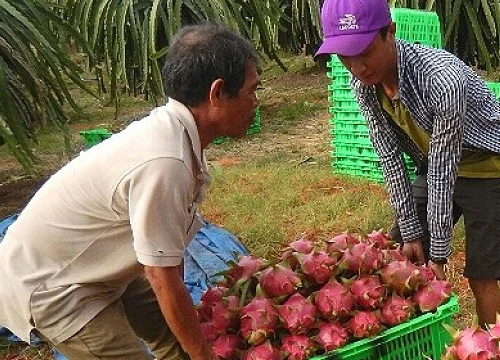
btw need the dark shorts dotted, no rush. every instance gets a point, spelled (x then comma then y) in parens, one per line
(478, 201)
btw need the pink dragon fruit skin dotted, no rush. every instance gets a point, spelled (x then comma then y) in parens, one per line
(298, 347)
(339, 243)
(380, 239)
(208, 299)
(263, 351)
(298, 314)
(427, 273)
(494, 329)
(362, 258)
(209, 331)
(402, 276)
(364, 324)
(258, 320)
(279, 280)
(368, 291)
(396, 310)
(475, 344)
(334, 300)
(301, 246)
(332, 336)
(225, 346)
(430, 296)
(244, 269)
(317, 265)
(390, 255)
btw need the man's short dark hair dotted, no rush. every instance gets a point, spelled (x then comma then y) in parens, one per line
(201, 54)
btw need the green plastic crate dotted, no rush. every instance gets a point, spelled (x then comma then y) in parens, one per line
(421, 338)
(417, 26)
(253, 129)
(95, 136)
(495, 88)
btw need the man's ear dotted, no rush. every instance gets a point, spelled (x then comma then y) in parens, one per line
(215, 95)
(392, 29)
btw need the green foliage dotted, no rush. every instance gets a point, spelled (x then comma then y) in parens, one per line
(471, 30)
(33, 73)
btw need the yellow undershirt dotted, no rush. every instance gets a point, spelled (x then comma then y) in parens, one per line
(472, 164)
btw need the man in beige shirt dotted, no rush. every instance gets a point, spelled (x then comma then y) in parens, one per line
(94, 262)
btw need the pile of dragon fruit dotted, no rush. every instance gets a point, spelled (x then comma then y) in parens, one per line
(474, 343)
(315, 298)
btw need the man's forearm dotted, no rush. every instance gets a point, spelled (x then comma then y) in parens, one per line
(177, 308)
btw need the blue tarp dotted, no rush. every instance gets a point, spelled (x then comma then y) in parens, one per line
(205, 257)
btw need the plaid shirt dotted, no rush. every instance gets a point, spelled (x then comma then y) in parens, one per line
(450, 102)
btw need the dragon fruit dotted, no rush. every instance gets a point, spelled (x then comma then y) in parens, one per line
(301, 246)
(362, 258)
(430, 296)
(396, 310)
(264, 351)
(298, 347)
(332, 336)
(402, 276)
(380, 239)
(368, 291)
(224, 314)
(339, 243)
(258, 320)
(427, 272)
(473, 343)
(241, 271)
(334, 300)
(225, 346)
(389, 255)
(209, 298)
(298, 314)
(279, 280)
(209, 331)
(364, 324)
(317, 266)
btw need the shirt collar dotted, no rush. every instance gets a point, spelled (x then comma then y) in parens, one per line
(182, 113)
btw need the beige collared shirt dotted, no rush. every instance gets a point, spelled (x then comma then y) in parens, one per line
(127, 202)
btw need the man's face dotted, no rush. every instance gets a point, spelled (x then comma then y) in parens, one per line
(376, 63)
(239, 112)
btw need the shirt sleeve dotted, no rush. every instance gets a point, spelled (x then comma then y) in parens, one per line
(448, 98)
(386, 145)
(160, 196)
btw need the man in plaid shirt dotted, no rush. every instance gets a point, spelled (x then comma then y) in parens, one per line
(429, 104)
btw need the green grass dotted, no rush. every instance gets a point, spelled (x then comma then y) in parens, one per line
(268, 204)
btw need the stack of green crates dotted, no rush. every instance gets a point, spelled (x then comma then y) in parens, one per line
(352, 152)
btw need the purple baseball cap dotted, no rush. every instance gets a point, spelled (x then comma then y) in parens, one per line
(349, 26)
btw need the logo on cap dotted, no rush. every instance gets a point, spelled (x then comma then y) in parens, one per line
(348, 22)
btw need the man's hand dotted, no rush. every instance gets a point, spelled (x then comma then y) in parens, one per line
(414, 251)
(438, 270)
